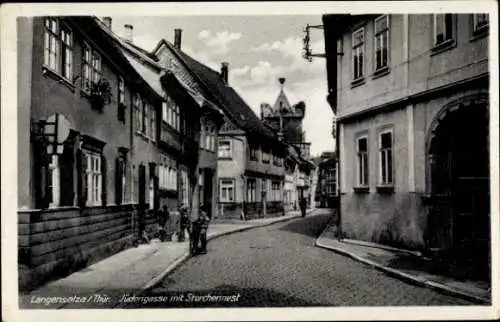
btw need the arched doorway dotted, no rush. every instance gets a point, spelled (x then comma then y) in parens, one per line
(458, 163)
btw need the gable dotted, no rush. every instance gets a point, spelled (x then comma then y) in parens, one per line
(168, 60)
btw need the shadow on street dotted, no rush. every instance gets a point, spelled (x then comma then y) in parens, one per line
(311, 226)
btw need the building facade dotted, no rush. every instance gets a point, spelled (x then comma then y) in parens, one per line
(107, 136)
(326, 188)
(404, 88)
(286, 119)
(78, 195)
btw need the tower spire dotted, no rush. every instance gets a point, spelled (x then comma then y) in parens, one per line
(282, 82)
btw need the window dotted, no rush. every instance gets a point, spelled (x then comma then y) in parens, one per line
(152, 120)
(93, 177)
(137, 102)
(265, 157)
(208, 135)
(91, 67)
(225, 149)
(443, 28)
(386, 167)
(120, 180)
(213, 137)
(251, 190)
(362, 149)
(202, 137)
(276, 191)
(381, 42)
(167, 173)
(253, 153)
(145, 118)
(227, 190)
(480, 22)
(185, 186)
(58, 44)
(121, 100)
(171, 113)
(357, 53)
(54, 181)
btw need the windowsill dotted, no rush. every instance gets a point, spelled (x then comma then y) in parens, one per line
(358, 82)
(443, 46)
(381, 72)
(388, 189)
(361, 189)
(46, 71)
(480, 33)
(224, 158)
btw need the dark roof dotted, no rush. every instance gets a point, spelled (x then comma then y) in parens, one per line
(233, 105)
(142, 50)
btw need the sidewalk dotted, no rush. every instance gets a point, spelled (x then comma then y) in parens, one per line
(129, 272)
(406, 265)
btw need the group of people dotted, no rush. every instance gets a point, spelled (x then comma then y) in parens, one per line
(195, 226)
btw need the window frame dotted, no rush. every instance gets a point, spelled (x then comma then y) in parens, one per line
(446, 43)
(95, 74)
(354, 53)
(121, 100)
(362, 165)
(382, 153)
(251, 189)
(380, 34)
(230, 153)
(482, 29)
(61, 35)
(224, 184)
(94, 192)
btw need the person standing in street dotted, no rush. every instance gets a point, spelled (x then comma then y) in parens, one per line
(184, 222)
(303, 206)
(203, 222)
(163, 217)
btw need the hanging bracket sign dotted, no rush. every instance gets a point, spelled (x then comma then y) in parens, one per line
(56, 130)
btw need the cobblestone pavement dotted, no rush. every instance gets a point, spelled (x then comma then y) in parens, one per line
(279, 265)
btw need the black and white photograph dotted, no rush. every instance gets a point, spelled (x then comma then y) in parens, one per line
(195, 159)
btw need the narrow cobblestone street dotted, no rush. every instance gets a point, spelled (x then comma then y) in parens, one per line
(279, 265)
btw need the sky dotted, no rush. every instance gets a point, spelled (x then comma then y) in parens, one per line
(259, 50)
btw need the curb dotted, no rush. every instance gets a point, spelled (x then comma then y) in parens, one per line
(408, 277)
(151, 283)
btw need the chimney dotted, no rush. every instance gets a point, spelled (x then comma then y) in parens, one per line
(129, 32)
(107, 22)
(177, 38)
(224, 72)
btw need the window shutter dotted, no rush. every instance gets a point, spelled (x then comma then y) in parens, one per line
(67, 166)
(118, 182)
(104, 173)
(81, 165)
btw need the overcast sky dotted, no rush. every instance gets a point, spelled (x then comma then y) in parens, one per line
(259, 49)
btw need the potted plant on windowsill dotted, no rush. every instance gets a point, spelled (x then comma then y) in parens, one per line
(100, 94)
